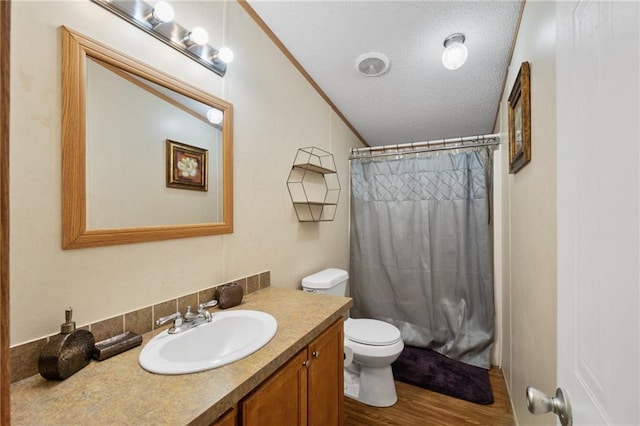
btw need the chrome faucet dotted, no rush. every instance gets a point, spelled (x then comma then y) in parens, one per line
(190, 319)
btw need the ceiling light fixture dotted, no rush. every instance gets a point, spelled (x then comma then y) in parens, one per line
(372, 64)
(455, 52)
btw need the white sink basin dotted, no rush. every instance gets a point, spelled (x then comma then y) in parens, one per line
(230, 336)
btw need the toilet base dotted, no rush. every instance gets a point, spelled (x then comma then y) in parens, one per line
(370, 385)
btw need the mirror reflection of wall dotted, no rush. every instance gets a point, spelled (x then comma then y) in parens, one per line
(128, 120)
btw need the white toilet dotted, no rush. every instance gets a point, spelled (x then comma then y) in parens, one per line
(374, 344)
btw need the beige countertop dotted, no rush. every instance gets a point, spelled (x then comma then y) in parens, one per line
(118, 391)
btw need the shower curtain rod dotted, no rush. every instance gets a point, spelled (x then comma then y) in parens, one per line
(432, 145)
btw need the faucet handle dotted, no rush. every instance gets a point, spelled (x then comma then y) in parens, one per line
(204, 312)
(209, 304)
(177, 317)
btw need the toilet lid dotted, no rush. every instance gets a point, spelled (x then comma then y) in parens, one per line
(371, 332)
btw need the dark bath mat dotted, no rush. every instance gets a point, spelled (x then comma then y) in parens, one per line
(430, 370)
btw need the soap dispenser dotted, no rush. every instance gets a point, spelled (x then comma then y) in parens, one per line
(67, 352)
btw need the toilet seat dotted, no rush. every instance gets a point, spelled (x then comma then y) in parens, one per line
(371, 332)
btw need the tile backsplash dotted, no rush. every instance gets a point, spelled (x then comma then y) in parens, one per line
(24, 358)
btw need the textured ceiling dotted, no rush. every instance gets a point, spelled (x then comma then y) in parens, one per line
(417, 99)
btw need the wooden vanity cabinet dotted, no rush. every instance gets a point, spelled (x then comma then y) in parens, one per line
(282, 399)
(230, 418)
(325, 377)
(307, 390)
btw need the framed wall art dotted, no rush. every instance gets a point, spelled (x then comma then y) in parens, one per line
(520, 120)
(187, 166)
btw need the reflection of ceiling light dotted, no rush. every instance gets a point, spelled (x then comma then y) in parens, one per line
(215, 116)
(455, 52)
(197, 36)
(372, 64)
(162, 12)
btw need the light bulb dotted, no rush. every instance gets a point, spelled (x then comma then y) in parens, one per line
(215, 116)
(162, 12)
(454, 56)
(225, 55)
(455, 52)
(198, 36)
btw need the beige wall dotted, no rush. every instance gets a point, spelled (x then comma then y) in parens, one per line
(276, 112)
(528, 237)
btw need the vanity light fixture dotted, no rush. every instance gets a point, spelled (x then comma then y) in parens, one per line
(161, 13)
(157, 20)
(225, 55)
(198, 36)
(455, 52)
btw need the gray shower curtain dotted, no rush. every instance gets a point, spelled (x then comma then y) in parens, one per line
(421, 249)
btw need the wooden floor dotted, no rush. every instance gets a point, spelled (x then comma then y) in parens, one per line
(418, 406)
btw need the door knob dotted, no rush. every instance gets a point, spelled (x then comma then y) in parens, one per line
(316, 354)
(539, 403)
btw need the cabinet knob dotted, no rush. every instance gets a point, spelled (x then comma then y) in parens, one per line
(316, 354)
(306, 363)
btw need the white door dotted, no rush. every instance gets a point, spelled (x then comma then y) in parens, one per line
(598, 95)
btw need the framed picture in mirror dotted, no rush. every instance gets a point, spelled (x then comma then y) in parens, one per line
(187, 166)
(520, 120)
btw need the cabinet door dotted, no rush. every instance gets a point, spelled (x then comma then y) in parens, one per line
(227, 419)
(282, 399)
(326, 377)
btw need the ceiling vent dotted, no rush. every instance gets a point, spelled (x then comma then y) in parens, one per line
(372, 64)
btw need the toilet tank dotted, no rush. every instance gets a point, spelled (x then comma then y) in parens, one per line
(329, 281)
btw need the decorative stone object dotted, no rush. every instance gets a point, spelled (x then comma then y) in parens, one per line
(117, 344)
(229, 295)
(66, 353)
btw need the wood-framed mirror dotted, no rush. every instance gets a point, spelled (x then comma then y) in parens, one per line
(129, 133)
